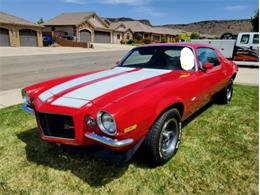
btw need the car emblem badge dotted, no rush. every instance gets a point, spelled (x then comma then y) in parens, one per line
(68, 127)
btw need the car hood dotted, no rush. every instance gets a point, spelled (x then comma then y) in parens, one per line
(101, 87)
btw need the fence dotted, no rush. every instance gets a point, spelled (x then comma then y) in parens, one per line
(68, 43)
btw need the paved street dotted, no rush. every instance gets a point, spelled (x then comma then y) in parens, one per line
(19, 71)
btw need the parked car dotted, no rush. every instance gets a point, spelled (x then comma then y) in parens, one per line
(144, 99)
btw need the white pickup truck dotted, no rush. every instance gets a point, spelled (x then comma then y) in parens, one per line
(244, 48)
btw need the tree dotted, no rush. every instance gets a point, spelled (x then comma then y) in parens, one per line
(184, 37)
(195, 35)
(255, 21)
(40, 21)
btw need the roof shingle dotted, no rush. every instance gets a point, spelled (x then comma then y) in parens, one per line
(137, 26)
(69, 18)
(10, 19)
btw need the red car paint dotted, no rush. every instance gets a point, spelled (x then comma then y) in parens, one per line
(138, 104)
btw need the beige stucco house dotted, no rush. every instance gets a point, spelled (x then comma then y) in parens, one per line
(80, 27)
(143, 31)
(89, 27)
(15, 32)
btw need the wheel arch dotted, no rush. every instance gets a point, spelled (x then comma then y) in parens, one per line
(234, 76)
(179, 105)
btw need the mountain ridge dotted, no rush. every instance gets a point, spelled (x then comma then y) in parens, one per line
(210, 27)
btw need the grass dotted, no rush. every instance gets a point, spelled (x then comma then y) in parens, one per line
(218, 155)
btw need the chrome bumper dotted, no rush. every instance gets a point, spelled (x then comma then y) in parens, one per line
(28, 109)
(108, 141)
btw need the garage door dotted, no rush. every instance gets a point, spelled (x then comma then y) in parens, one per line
(102, 37)
(4, 37)
(85, 36)
(28, 38)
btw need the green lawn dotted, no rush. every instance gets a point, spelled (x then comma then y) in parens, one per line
(218, 155)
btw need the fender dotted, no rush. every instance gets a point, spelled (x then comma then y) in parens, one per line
(168, 103)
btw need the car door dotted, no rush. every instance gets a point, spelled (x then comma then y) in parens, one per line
(211, 79)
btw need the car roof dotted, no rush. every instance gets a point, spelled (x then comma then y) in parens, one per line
(185, 44)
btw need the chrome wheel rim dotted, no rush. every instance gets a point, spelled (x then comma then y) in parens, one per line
(168, 137)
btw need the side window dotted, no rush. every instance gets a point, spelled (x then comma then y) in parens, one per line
(245, 39)
(213, 57)
(256, 39)
(207, 55)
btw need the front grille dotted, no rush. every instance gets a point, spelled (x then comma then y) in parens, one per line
(57, 125)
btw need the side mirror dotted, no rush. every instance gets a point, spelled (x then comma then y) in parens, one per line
(207, 66)
(117, 62)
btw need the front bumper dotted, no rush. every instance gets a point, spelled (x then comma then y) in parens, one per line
(109, 141)
(114, 143)
(26, 108)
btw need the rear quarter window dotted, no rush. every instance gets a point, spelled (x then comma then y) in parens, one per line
(207, 55)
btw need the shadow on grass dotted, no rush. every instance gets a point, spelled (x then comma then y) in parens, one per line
(93, 165)
(85, 163)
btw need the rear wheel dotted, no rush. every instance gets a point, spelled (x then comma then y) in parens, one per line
(226, 94)
(164, 137)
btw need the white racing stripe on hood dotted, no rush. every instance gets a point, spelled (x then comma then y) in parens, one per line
(90, 92)
(78, 81)
(77, 103)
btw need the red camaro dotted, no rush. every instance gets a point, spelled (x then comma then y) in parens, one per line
(143, 99)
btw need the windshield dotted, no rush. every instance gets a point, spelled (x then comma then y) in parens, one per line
(158, 57)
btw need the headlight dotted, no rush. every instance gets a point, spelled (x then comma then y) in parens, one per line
(26, 98)
(106, 123)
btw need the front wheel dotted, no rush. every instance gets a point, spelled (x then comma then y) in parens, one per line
(164, 137)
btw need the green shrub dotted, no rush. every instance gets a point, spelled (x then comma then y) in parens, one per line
(184, 37)
(195, 35)
(163, 40)
(138, 36)
(123, 42)
(130, 41)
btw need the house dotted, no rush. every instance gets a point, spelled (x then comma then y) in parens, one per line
(121, 32)
(138, 30)
(15, 32)
(89, 27)
(168, 34)
(80, 27)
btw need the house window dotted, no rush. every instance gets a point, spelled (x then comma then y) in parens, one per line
(156, 37)
(127, 36)
(146, 35)
(118, 36)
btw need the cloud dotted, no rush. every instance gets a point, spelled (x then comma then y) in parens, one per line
(80, 2)
(148, 11)
(127, 2)
(140, 7)
(235, 7)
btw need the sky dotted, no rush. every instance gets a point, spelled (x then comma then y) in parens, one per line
(157, 11)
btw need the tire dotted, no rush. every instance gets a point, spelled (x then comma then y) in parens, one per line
(225, 96)
(163, 139)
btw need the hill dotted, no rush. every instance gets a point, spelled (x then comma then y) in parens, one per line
(144, 21)
(210, 27)
(215, 27)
